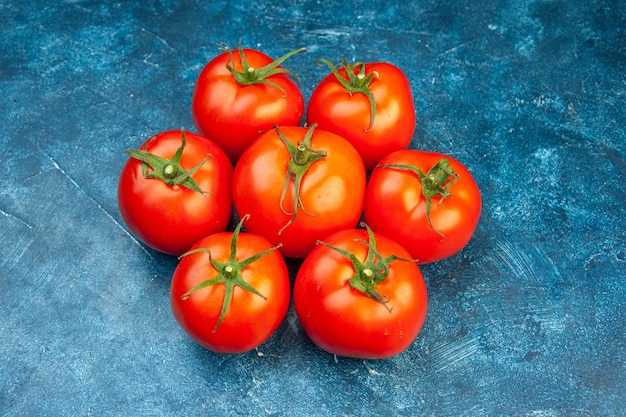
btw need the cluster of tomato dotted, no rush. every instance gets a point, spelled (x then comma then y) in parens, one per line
(300, 192)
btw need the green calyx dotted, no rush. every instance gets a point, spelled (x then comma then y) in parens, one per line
(302, 157)
(356, 83)
(372, 271)
(168, 170)
(250, 75)
(435, 183)
(229, 273)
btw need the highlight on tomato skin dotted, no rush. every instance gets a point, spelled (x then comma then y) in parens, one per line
(427, 201)
(358, 294)
(175, 189)
(230, 291)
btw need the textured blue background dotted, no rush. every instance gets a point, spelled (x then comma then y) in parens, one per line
(528, 320)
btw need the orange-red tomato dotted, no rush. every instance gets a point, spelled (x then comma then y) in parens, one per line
(297, 203)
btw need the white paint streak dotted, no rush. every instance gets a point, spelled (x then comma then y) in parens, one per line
(12, 217)
(514, 260)
(455, 354)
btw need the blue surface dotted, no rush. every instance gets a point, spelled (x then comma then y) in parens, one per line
(528, 320)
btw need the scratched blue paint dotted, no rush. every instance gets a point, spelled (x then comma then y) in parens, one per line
(528, 320)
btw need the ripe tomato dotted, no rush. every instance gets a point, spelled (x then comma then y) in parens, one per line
(175, 190)
(428, 202)
(230, 292)
(358, 295)
(299, 185)
(371, 105)
(239, 96)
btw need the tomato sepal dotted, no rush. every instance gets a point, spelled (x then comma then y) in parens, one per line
(168, 170)
(356, 83)
(229, 273)
(250, 75)
(435, 183)
(370, 272)
(302, 157)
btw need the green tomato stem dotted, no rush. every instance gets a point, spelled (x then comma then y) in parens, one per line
(169, 171)
(229, 271)
(301, 155)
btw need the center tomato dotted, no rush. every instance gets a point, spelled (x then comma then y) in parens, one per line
(299, 185)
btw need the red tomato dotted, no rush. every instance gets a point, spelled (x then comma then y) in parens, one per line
(174, 191)
(371, 105)
(231, 291)
(323, 169)
(358, 295)
(240, 95)
(397, 203)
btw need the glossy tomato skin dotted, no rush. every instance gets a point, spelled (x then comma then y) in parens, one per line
(344, 321)
(170, 219)
(234, 115)
(250, 319)
(348, 114)
(332, 191)
(395, 207)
